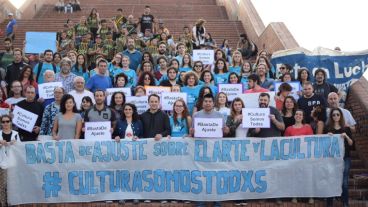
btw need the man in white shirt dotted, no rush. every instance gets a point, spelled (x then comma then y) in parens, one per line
(333, 102)
(79, 91)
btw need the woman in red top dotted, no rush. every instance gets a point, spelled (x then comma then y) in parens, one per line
(299, 128)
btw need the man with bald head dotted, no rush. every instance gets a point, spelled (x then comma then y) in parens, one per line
(79, 91)
(333, 100)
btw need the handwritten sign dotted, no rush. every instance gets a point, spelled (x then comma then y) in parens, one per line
(205, 127)
(231, 90)
(141, 102)
(98, 130)
(168, 99)
(251, 99)
(38, 42)
(111, 91)
(156, 90)
(24, 119)
(295, 85)
(46, 90)
(177, 169)
(256, 118)
(206, 56)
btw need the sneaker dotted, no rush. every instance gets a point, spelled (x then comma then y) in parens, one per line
(237, 204)
(187, 202)
(294, 200)
(311, 201)
(147, 201)
(108, 201)
(163, 202)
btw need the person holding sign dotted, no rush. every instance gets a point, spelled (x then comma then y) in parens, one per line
(156, 123)
(50, 112)
(234, 120)
(180, 120)
(100, 112)
(68, 123)
(129, 126)
(30, 104)
(277, 123)
(209, 112)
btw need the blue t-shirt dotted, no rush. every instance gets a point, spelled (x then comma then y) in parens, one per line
(114, 71)
(221, 78)
(98, 82)
(135, 58)
(45, 66)
(244, 81)
(180, 129)
(79, 72)
(193, 93)
(132, 77)
(10, 26)
(235, 69)
(213, 88)
(185, 69)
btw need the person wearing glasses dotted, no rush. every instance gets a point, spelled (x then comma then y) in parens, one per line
(7, 135)
(198, 68)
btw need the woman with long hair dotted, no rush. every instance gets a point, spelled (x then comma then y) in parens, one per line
(120, 81)
(146, 79)
(299, 127)
(303, 76)
(246, 70)
(207, 79)
(234, 120)
(186, 64)
(221, 72)
(289, 108)
(115, 66)
(162, 72)
(198, 33)
(68, 123)
(81, 68)
(283, 91)
(129, 127)
(26, 78)
(319, 118)
(174, 63)
(233, 78)
(221, 104)
(146, 58)
(198, 67)
(337, 125)
(117, 102)
(93, 21)
(236, 62)
(180, 121)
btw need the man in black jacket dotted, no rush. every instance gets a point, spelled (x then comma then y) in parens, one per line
(13, 70)
(155, 122)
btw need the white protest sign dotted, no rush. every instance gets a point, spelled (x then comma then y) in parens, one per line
(231, 90)
(141, 102)
(168, 99)
(295, 85)
(46, 90)
(251, 99)
(24, 119)
(206, 127)
(97, 130)
(4, 111)
(256, 118)
(206, 56)
(156, 90)
(110, 91)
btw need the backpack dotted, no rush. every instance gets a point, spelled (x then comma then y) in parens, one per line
(40, 64)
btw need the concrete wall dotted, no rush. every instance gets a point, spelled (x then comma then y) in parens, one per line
(357, 104)
(274, 37)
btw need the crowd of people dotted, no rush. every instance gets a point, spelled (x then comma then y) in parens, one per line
(96, 54)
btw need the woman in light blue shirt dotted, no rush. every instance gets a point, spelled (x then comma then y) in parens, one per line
(180, 120)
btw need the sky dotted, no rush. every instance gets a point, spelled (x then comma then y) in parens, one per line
(325, 23)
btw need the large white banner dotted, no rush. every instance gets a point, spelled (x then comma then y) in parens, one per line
(184, 169)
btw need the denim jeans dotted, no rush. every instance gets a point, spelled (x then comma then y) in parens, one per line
(345, 184)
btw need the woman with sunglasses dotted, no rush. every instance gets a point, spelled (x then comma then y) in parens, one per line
(336, 125)
(7, 135)
(198, 68)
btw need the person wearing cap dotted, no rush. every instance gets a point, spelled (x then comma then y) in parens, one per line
(11, 26)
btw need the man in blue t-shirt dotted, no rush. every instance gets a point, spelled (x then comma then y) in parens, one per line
(47, 64)
(11, 26)
(134, 55)
(99, 81)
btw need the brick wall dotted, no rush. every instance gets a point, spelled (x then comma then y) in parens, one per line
(357, 103)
